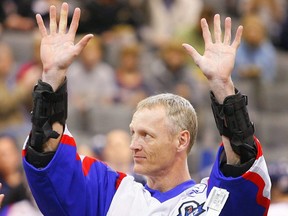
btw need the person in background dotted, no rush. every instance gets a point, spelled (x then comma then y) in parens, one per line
(117, 154)
(17, 15)
(169, 17)
(18, 198)
(31, 70)
(91, 81)
(279, 192)
(131, 84)
(171, 73)
(271, 12)
(13, 95)
(256, 56)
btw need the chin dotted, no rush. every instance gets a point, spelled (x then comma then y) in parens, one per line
(138, 169)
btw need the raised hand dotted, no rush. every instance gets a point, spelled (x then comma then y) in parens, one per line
(219, 57)
(57, 46)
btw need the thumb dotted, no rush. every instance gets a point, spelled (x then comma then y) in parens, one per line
(192, 52)
(82, 43)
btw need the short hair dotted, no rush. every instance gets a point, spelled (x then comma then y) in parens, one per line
(179, 111)
(11, 137)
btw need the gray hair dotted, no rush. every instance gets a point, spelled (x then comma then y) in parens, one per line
(180, 113)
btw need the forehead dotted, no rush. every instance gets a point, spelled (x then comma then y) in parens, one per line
(152, 117)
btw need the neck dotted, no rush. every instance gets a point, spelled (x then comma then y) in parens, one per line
(167, 181)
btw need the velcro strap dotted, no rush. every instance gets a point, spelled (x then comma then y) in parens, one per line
(233, 121)
(49, 107)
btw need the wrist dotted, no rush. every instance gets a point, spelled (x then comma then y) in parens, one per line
(222, 88)
(54, 78)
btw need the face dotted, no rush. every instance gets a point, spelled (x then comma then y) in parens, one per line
(174, 59)
(153, 146)
(9, 156)
(116, 151)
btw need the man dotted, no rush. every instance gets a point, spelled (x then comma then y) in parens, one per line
(163, 130)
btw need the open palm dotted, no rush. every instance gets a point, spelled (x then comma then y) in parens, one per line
(57, 47)
(219, 56)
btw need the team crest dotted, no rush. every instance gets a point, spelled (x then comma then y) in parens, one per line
(190, 208)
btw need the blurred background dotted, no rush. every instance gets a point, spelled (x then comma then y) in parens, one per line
(136, 52)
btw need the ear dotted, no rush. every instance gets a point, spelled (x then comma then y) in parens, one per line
(183, 141)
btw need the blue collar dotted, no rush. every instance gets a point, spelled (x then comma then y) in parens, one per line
(163, 196)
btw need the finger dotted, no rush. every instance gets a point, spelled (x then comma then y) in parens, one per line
(227, 35)
(53, 23)
(217, 28)
(63, 18)
(206, 32)
(193, 53)
(237, 40)
(41, 26)
(75, 21)
(82, 43)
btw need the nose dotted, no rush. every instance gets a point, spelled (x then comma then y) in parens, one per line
(135, 144)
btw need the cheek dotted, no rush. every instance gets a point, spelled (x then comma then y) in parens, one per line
(159, 154)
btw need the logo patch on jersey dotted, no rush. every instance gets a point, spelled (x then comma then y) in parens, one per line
(190, 208)
(198, 189)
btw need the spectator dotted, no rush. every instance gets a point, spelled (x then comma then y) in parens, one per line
(117, 153)
(17, 196)
(256, 56)
(132, 87)
(171, 73)
(31, 69)
(17, 15)
(13, 96)
(91, 82)
(271, 12)
(279, 192)
(168, 18)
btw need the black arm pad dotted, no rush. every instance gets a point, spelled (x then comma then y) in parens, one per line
(37, 159)
(49, 107)
(232, 120)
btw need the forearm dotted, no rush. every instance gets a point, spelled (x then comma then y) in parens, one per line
(48, 116)
(222, 89)
(234, 125)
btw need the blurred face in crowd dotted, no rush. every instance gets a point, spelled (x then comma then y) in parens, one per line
(9, 156)
(6, 60)
(174, 56)
(153, 145)
(254, 31)
(129, 57)
(91, 54)
(117, 152)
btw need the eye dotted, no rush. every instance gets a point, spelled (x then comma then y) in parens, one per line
(146, 135)
(132, 132)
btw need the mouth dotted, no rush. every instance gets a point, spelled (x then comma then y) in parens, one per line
(138, 158)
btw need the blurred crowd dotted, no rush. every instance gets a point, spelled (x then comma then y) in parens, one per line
(136, 52)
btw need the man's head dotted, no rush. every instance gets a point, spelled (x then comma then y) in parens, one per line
(163, 127)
